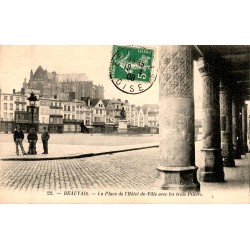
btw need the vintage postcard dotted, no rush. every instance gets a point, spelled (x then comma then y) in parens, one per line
(125, 124)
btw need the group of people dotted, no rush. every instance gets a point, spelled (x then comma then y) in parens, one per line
(32, 139)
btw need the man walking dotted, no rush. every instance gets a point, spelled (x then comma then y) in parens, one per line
(32, 139)
(18, 139)
(45, 137)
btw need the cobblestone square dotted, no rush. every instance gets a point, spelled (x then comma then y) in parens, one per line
(134, 170)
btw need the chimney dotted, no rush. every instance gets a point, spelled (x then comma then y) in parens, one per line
(14, 91)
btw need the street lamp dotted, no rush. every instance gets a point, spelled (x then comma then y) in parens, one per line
(32, 100)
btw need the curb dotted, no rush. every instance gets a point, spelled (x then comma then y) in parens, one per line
(68, 157)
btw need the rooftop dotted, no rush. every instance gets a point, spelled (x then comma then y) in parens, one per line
(73, 77)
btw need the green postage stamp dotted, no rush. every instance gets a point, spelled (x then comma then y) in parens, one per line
(132, 68)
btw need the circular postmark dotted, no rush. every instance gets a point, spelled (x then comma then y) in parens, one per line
(132, 69)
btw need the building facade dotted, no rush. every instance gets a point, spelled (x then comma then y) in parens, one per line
(66, 116)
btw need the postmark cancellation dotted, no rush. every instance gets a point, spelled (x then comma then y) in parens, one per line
(133, 69)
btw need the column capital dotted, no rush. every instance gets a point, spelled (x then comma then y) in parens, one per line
(204, 67)
(224, 84)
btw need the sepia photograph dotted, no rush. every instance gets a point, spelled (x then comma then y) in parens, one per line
(117, 131)
(124, 124)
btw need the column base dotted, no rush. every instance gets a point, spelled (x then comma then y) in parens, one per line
(178, 178)
(211, 166)
(211, 176)
(228, 155)
(237, 156)
(228, 162)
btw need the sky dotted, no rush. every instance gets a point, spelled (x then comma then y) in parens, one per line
(17, 61)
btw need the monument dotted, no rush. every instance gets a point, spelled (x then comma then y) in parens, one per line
(122, 123)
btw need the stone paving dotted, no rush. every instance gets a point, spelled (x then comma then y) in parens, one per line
(73, 145)
(60, 151)
(135, 170)
(128, 170)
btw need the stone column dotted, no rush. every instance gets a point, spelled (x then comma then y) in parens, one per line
(211, 159)
(226, 124)
(240, 131)
(236, 127)
(177, 170)
(244, 128)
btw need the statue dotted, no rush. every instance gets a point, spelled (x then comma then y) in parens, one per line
(123, 114)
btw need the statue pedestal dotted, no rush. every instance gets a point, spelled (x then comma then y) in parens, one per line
(122, 126)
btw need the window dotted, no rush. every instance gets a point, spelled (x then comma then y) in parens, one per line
(96, 111)
(11, 106)
(17, 99)
(68, 116)
(11, 98)
(17, 107)
(56, 104)
(5, 97)
(68, 108)
(23, 107)
(60, 104)
(11, 116)
(5, 106)
(73, 108)
(65, 108)
(100, 112)
(65, 116)
(5, 115)
(73, 116)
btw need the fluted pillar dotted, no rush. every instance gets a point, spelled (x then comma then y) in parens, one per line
(211, 160)
(177, 170)
(226, 124)
(236, 127)
(244, 128)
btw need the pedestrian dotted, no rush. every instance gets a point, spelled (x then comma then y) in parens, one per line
(32, 139)
(18, 139)
(45, 137)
